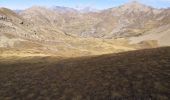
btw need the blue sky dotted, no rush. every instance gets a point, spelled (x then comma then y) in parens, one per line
(98, 4)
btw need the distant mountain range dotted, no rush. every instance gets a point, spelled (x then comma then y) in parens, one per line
(57, 27)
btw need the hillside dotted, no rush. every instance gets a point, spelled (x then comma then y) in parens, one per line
(65, 31)
(56, 28)
(131, 19)
(68, 32)
(20, 36)
(142, 74)
(160, 34)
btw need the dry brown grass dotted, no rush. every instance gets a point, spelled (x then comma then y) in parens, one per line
(131, 76)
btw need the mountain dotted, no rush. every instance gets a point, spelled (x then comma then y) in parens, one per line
(131, 19)
(13, 28)
(64, 9)
(88, 9)
(17, 11)
(66, 54)
(64, 29)
(40, 35)
(140, 74)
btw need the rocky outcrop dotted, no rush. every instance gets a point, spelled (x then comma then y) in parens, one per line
(4, 18)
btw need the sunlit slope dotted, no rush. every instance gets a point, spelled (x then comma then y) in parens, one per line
(161, 35)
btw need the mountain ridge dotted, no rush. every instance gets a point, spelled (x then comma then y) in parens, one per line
(57, 28)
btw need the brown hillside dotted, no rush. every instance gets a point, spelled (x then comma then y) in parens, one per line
(140, 74)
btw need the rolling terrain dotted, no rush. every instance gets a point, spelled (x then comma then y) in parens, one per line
(63, 31)
(60, 53)
(135, 75)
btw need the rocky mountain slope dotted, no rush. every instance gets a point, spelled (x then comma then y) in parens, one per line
(59, 29)
(127, 20)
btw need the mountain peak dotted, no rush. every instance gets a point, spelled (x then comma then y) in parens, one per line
(88, 9)
(135, 6)
(64, 9)
(135, 2)
(37, 7)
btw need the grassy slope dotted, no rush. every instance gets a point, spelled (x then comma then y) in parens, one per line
(143, 73)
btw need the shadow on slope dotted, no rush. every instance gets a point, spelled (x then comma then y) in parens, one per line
(142, 74)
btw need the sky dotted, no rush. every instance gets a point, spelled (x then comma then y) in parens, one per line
(97, 4)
